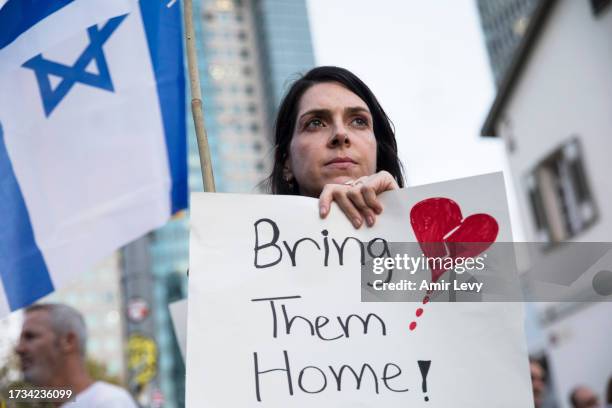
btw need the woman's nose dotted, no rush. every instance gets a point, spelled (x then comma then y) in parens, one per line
(339, 137)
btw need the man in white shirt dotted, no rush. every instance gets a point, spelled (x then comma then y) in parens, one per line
(51, 350)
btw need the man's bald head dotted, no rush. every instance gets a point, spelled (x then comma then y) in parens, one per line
(584, 397)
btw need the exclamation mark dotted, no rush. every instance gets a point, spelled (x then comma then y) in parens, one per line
(424, 367)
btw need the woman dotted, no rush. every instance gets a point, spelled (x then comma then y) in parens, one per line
(334, 141)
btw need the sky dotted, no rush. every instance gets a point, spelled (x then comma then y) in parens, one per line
(427, 64)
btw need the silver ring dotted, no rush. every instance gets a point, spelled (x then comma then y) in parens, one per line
(349, 183)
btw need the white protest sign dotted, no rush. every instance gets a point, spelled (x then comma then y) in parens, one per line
(276, 318)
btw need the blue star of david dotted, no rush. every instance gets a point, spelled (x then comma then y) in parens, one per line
(72, 74)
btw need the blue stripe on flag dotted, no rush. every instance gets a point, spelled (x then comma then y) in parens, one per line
(164, 35)
(23, 270)
(18, 16)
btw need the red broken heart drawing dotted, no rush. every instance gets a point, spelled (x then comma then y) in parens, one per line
(442, 231)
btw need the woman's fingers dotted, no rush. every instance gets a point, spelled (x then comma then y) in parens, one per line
(325, 199)
(382, 181)
(359, 199)
(351, 201)
(340, 196)
(355, 195)
(369, 196)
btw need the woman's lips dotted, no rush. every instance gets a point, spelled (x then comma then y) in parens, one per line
(341, 163)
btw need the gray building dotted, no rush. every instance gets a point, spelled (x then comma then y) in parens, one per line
(504, 23)
(248, 50)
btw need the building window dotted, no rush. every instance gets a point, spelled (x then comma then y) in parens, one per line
(224, 5)
(560, 197)
(217, 72)
(599, 5)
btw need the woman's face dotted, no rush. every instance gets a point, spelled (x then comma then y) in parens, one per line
(333, 140)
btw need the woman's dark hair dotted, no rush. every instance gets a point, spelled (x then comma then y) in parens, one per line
(386, 155)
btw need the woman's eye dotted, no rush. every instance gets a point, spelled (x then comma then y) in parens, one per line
(360, 122)
(314, 123)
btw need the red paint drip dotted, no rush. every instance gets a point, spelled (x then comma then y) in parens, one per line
(419, 312)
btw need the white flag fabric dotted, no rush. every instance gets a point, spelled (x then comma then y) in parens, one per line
(92, 135)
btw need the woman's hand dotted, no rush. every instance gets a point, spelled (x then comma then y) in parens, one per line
(358, 198)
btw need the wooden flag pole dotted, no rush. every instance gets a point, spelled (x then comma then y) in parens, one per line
(196, 99)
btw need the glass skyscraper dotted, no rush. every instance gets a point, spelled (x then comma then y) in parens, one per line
(248, 51)
(285, 44)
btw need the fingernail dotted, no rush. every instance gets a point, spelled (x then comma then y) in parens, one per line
(357, 222)
(370, 220)
(322, 211)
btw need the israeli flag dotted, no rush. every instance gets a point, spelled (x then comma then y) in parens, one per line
(92, 135)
